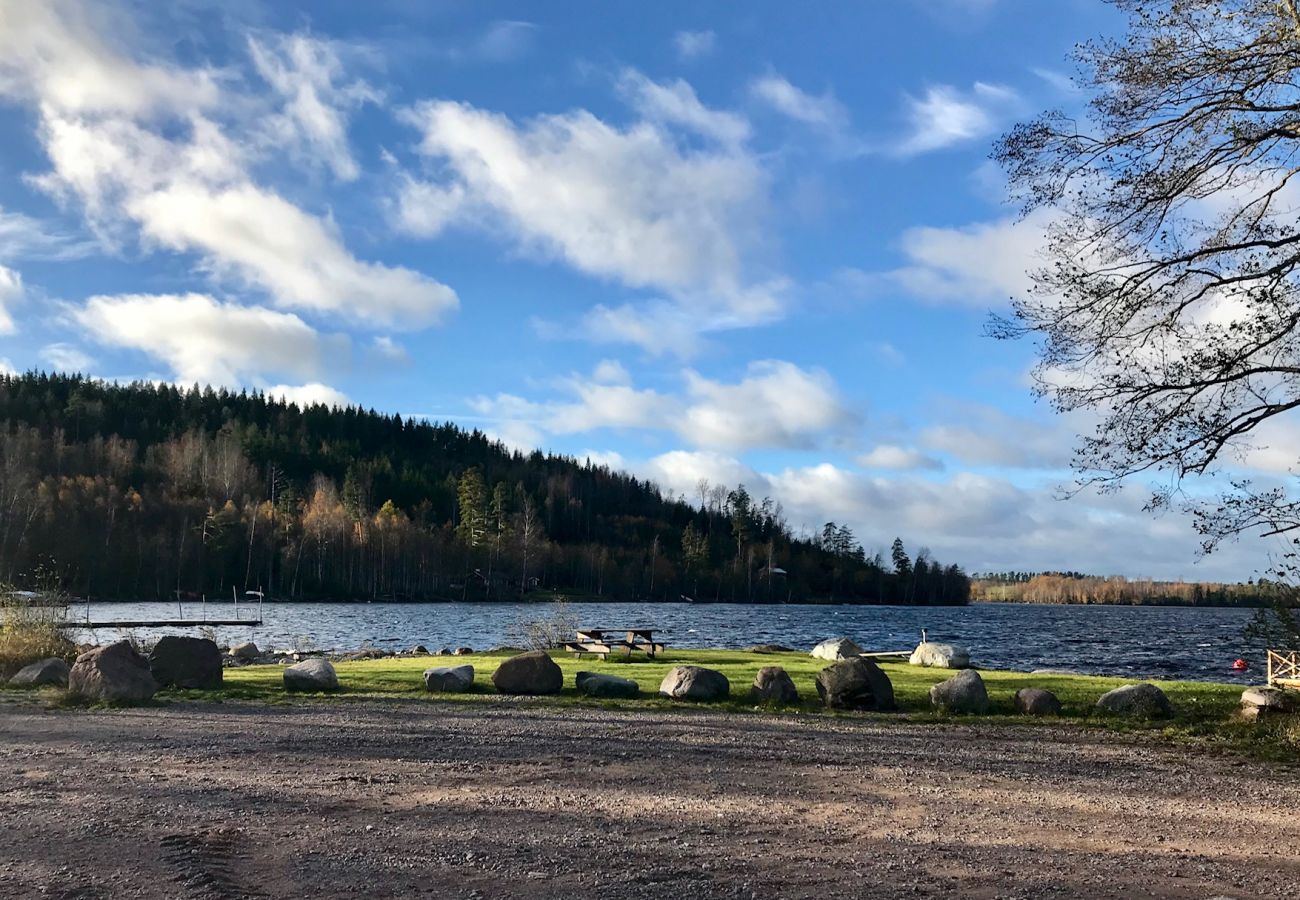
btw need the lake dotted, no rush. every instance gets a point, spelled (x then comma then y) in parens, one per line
(1128, 641)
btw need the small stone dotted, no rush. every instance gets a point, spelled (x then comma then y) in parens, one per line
(464, 651)
(114, 672)
(449, 679)
(314, 674)
(186, 662)
(695, 683)
(1037, 702)
(856, 684)
(246, 651)
(962, 693)
(1141, 700)
(772, 684)
(528, 673)
(46, 671)
(836, 649)
(940, 656)
(596, 684)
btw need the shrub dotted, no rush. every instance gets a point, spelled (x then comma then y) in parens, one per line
(29, 629)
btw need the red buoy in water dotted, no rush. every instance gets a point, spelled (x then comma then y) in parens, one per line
(1240, 665)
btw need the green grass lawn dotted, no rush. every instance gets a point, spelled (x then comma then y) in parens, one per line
(1204, 712)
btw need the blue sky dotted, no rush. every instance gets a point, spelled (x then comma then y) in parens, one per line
(737, 242)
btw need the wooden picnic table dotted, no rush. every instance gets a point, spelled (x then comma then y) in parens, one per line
(604, 641)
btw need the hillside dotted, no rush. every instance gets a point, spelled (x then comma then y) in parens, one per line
(137, 491)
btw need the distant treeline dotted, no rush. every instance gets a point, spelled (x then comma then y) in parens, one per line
(1073, 587)
(138, 491)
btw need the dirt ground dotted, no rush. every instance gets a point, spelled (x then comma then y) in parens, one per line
(513, 799)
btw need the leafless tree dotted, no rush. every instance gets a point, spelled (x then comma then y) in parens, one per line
(1167, 304)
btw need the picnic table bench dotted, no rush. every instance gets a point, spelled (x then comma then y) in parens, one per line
(604, 641)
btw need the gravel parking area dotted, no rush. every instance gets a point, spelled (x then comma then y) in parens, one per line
(515, 799)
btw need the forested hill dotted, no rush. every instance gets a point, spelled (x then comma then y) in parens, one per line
(141, 490)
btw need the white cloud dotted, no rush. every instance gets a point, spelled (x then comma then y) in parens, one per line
(65, 357)
(980, 522)
(12, 293)
(635, 205)
(976, 265)
(389, 350)
(305, 395)
(260, 239)
(206, 341)
(987, 436)
(824, 112)
(945, 116)
(505, 40)
(165, 150)
(694, 44)
(675, 103)
(312, 124)
(23, 237)
(7, 366)
(892, 456)
(775, 405)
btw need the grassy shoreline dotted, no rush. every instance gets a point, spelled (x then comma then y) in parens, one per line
(1204, 712)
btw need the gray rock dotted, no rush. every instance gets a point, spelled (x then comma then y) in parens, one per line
(1264, 702)
(856, 684)
(962, 693)
(464, 651)
(940, 656)
(769, 648)
(449, 679)
(114, 672)
(1145, 700)
(314, 674)
(418, 650)
(1037, 702)
(695, 683)
(528, 673)
(445, 651)
(185, 662)
(246, 651)
(45, 671)
(596, 684)
(836, 649)
(773, 684)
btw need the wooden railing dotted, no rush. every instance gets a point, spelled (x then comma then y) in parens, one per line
(1284, 667)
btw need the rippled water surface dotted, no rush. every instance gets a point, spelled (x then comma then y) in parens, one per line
(1163, 642)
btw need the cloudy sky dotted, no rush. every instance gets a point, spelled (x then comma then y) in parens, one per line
(745, 242)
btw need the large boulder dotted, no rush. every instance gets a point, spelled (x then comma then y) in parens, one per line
(1037, 702)
(449, 679)
(773, 684)
(940, 656)
(1144, 700)
(962, 693)
(528, 673)
(595, 684)
(114, 672)
(695, 683)
(836, 649)
(46, 671)
(246, 651)
(315, 674)
(186, 662)
(1262, 702)
(856, 684)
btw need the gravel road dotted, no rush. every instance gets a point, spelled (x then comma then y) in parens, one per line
(512, 799)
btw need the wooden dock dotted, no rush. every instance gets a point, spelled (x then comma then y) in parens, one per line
(159, 623)
(1284, 669)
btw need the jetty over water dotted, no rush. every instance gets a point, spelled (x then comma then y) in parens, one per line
(252, 617)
